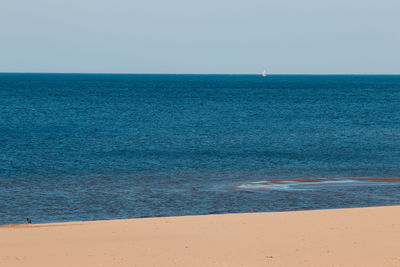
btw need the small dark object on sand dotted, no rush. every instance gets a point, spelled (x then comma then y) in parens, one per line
(28, 220)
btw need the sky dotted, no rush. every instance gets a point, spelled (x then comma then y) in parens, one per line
(203, 36)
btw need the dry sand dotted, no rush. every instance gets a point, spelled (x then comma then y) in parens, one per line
(345, 237)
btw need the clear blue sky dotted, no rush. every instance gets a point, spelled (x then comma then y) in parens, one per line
(202, 36)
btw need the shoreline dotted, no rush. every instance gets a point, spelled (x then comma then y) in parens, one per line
(59, 223)
(63, 223)
(367, 236)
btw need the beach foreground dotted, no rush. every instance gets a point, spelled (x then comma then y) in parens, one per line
(342, 237)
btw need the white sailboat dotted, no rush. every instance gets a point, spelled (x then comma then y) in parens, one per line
(264, 73)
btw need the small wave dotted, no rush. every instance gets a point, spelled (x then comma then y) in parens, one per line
(310, 184)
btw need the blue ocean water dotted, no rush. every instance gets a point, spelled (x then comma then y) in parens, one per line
(86, 146)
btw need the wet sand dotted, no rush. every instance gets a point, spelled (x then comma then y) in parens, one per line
(343, 237)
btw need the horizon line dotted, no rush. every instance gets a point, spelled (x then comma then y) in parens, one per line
(229, 74)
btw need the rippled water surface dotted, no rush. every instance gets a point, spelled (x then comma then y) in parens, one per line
(84, 147)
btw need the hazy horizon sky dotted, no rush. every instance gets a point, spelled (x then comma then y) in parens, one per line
(177, 36)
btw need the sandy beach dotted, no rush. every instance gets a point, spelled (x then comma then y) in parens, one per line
(342, 237)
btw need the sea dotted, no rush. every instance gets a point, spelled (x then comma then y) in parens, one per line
(79, 147)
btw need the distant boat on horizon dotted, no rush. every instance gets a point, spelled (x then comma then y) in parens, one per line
(264, 73)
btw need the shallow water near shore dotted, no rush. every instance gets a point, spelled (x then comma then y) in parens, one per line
(86, 147)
